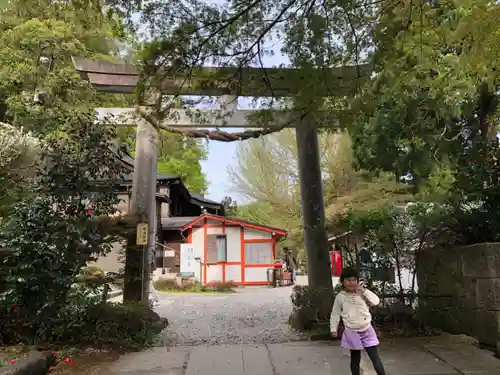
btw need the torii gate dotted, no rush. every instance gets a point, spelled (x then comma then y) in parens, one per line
(121, 78)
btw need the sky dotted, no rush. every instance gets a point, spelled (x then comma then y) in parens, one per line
(222, 155)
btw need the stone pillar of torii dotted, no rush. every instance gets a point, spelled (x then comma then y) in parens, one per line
(122, 78)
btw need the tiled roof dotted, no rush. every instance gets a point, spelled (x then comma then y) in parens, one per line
(204, 200)
(176, 222)
(160, 178)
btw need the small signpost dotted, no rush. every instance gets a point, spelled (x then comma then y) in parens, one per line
(188, 264)
(142, 234)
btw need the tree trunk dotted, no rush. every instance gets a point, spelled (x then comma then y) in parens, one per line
(319, 272)
(143, 207)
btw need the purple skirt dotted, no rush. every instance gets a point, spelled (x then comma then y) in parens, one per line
(354, 340)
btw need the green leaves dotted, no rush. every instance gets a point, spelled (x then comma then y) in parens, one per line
(19, 156)
(37, 40)
(52, 234)
(426, 95)
(177, 156)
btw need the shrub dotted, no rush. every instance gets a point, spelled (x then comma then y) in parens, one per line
(128, 325)
(307, 304)
(52, 234)
(193, 286)
(106, 325)
(400, 320)
(19, 158)
(84, 320)
(222, 286)
(166, 284)
(92, 271)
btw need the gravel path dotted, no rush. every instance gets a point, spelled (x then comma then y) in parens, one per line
(251, 315)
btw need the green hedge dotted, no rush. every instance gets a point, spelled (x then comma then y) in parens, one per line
(107, 325)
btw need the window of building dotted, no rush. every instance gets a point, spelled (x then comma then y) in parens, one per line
(216, 248)
(221, 248)
(258, 253)
(173, 261)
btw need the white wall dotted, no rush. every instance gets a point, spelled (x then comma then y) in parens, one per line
(124, 204)
(233, 245)
(233, 272)
(406, 279)
(253, 274)
(214, 271)
(165, 207)
(197, 240)
(253, 234)
(110, 262)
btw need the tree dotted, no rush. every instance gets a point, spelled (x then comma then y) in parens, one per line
(38, 38)
(415, 123)
(267, 173)
(230, 206)
(19, 157)
(177, 156)
(180, 156)
(53, 233)
(187, 34)
(39, 88)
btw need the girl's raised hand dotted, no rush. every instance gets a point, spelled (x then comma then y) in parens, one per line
(361, 287)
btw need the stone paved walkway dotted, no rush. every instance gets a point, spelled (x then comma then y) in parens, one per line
(401, 357)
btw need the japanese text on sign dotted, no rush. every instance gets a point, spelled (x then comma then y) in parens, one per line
(142, 234)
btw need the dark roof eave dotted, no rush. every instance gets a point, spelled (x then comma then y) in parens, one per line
(163, 197)
(177, 222)
(162, 180)
(197, 199)
(199, 202)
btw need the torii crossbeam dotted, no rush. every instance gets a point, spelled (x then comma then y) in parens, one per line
(229, 83)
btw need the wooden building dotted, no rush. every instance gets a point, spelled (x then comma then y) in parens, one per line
(227, 249)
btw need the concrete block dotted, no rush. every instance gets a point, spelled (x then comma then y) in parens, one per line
(468, 358)
(309, 358)
(229, 359)
(486, 327)
(488, 294)
(161, 361)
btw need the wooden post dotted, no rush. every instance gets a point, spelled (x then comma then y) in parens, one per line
(143, 207)
(313, 213)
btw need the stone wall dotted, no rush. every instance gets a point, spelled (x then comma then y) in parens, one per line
(467, 279)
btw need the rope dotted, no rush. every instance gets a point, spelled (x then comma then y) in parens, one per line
(214, 135)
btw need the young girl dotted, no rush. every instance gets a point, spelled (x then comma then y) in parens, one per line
(351, 304)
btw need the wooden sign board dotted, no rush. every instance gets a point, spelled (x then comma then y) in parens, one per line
(142, 234)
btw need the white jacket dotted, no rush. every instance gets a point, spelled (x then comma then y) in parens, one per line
(354, 310)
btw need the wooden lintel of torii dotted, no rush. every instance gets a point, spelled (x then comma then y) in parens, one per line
(122, 78)
(206, 118)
